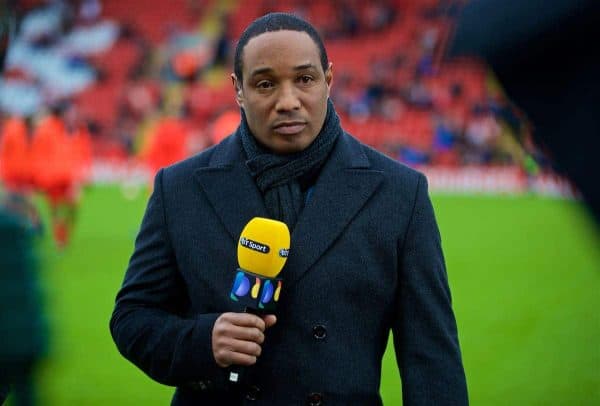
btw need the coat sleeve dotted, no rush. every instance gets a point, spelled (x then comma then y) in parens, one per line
(425, 334)
(148, 323)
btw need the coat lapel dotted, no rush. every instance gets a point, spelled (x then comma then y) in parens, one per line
(230, 188)
(343, 188)
(345, 185)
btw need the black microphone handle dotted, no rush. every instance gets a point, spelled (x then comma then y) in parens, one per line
(236, 373)
(261, 302)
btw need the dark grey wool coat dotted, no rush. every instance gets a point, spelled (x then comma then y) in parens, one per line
(365, 258)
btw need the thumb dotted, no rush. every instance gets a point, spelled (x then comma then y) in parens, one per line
(270, 320)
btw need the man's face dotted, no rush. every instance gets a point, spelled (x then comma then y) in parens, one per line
(284, 91)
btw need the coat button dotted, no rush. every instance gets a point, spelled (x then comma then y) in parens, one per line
(253, 393)
(314, 399)
(201, 386)
(319, 332)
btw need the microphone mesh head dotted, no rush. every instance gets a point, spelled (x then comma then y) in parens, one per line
(263, 246)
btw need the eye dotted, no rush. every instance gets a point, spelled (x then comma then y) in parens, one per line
(305, 79)
(264, 84)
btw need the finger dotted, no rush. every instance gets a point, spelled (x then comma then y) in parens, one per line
(270, 320)
(245, 333)
(237, 358)
(228, 351)
(225, 358)
(243, 347)
(244, 320)
(226, 344)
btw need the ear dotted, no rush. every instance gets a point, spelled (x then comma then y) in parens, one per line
(237, 87)
(329, 77)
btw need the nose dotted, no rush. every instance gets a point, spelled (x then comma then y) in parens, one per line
(287, 99)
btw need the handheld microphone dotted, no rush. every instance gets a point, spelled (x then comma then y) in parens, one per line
(262, 251)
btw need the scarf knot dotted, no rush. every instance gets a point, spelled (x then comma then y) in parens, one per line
(279, 177)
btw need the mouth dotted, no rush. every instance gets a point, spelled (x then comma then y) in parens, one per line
(289, 127)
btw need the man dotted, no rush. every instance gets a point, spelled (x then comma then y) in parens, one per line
(365, 253)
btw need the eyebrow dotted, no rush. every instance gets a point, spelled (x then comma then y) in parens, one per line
(269, 70)
(305, 66)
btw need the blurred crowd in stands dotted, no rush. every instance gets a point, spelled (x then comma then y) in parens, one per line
(150, 79)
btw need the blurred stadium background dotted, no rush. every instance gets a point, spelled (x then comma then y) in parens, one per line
(103, 93)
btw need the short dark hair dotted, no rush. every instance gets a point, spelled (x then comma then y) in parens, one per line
(276, 22)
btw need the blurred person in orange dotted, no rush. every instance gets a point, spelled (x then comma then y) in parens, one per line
(166, 144)
(225, 125)
(14, 155)
(55, 173)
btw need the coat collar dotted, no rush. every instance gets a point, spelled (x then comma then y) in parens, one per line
(229, 187)
(344, 186)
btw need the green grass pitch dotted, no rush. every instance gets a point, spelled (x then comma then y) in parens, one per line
(525, 279)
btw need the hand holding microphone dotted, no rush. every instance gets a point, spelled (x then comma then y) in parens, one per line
(237, 338)
(262, 252)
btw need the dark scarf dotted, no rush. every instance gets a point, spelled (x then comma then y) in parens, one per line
(282, 178)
